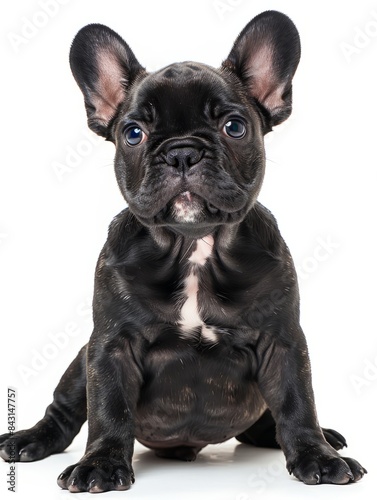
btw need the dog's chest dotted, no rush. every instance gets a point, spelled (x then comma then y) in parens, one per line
(190, 319)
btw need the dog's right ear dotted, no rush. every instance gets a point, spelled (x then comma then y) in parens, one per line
(104, 67)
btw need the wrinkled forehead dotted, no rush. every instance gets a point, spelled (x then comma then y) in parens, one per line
(181, 92)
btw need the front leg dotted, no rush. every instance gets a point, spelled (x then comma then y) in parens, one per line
(285, 382)
(113, 388)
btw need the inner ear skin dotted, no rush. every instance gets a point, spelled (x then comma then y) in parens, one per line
(265, 57)
(104, 67)
(109, 90)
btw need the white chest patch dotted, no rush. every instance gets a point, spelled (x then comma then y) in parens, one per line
(190, 317)
(203, 250)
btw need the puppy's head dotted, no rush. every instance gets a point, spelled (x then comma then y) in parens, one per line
(189, 138)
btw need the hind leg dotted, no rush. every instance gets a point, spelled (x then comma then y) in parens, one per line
(62, 421)
(263, 434)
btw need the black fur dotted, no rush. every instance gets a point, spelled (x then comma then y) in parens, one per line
(190, 163)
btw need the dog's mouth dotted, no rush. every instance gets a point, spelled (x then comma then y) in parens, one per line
(186, 210)
(191, 207)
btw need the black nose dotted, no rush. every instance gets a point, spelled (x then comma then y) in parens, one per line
(183, 157)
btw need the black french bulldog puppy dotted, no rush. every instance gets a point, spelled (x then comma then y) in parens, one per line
(196, 308)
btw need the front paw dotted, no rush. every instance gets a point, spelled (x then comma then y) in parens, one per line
(96, 475)
(315, 467)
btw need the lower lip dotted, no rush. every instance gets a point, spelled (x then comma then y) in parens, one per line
(192, 202)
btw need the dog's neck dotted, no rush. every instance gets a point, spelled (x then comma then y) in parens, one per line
(170, 240)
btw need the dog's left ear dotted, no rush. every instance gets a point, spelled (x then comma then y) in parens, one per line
(265, 57)
(104, 67)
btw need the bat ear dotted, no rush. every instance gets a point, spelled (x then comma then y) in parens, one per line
(104, 67)
(265, 57)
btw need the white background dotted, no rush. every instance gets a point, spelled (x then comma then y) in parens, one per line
(320, 184)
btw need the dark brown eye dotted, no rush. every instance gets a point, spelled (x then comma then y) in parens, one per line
(235, 129)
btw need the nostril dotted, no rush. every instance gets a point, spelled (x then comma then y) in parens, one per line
(195, 157)
(172, 158)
